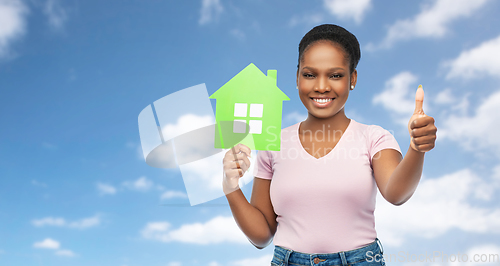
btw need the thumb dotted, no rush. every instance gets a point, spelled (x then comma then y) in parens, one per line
(419, 100)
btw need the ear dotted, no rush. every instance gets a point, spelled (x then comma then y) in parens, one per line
(354, 77)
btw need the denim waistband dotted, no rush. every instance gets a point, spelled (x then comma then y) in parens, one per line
(368, 253)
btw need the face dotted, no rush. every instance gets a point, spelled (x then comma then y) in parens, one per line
(324, 79)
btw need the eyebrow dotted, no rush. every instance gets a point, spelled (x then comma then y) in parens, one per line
(333, 68)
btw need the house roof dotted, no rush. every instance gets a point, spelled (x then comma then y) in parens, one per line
(252, 85)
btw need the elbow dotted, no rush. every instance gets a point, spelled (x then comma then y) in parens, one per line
(261, 242)
(259, 247)
(396, 197)
(397, 201)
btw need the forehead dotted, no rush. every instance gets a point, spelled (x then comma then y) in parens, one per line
(324, 51)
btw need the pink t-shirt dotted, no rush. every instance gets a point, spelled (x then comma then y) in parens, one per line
(325, 205)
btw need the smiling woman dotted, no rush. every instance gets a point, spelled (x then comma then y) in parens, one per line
(317, 206)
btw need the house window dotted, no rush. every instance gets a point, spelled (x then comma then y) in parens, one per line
(241, 115)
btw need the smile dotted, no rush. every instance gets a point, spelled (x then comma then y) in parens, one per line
(322, 102)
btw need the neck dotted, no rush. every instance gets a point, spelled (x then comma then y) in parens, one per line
(337, 122)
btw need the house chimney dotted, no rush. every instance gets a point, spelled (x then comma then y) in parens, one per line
(273, 73)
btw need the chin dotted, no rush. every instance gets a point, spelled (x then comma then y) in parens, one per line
(323, 115)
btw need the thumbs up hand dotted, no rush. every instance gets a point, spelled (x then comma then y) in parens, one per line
(421, 126)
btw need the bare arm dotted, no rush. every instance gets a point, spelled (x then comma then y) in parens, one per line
(256, 219)
(397, 179)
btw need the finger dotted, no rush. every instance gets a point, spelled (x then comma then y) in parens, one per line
(429, 130)
(234, 153)
(237, 164)
(424, 140)
(239, 156)
(422, 122)
(242, 148)
(246, 164)
(419, 100)
(242, 163)
(235, 173)
(424, 147)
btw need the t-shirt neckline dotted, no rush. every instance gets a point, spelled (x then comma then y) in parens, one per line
(299, 143)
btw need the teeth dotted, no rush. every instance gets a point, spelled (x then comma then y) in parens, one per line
(322, 100)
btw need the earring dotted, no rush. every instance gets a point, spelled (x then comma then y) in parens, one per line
(352, 87)
(297, 87)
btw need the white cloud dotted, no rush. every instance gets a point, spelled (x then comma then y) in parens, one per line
(476, 62)
(439, 205)
(477, 131)
(85, 223)
(445, 97)
(61, 222)
(186, 123)
(55, 13)
(47, 243)
(65, 253)
(210, 10)
(105, 189)
(173, 194)
(432, 22)
(199, 163)
(175, 263)
(141, 184)
(12, 23)
(217, 230)
(262, 260)
(396, 95)
(49, 221)
(203, 178)
(352, 9)
(482, 255)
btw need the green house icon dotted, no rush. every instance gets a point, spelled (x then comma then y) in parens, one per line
(249, 110)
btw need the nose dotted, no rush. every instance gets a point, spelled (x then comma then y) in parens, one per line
(322, 85)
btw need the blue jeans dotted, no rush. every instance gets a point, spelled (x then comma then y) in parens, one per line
(365, 256)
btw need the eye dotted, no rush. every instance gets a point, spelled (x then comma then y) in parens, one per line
(308, 75)
(336, 76)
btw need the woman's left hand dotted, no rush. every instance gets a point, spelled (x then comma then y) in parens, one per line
(421, 126)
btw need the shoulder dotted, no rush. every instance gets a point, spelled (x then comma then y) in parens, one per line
(378, 138)
(370, 131)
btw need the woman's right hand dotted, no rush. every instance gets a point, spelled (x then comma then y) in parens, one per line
(235, 163)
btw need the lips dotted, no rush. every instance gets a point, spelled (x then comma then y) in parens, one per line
(322, 102)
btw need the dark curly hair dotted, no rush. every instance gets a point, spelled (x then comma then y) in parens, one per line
(335, 34)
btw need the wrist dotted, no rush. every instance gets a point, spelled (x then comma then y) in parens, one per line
(414, 150)
(227, 187)
(229, 190)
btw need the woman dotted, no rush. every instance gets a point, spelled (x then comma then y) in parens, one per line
(315, 197)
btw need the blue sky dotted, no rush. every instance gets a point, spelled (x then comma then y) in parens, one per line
(74, 76)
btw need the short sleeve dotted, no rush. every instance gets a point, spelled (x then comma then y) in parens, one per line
(263, 166)
(381, 139)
